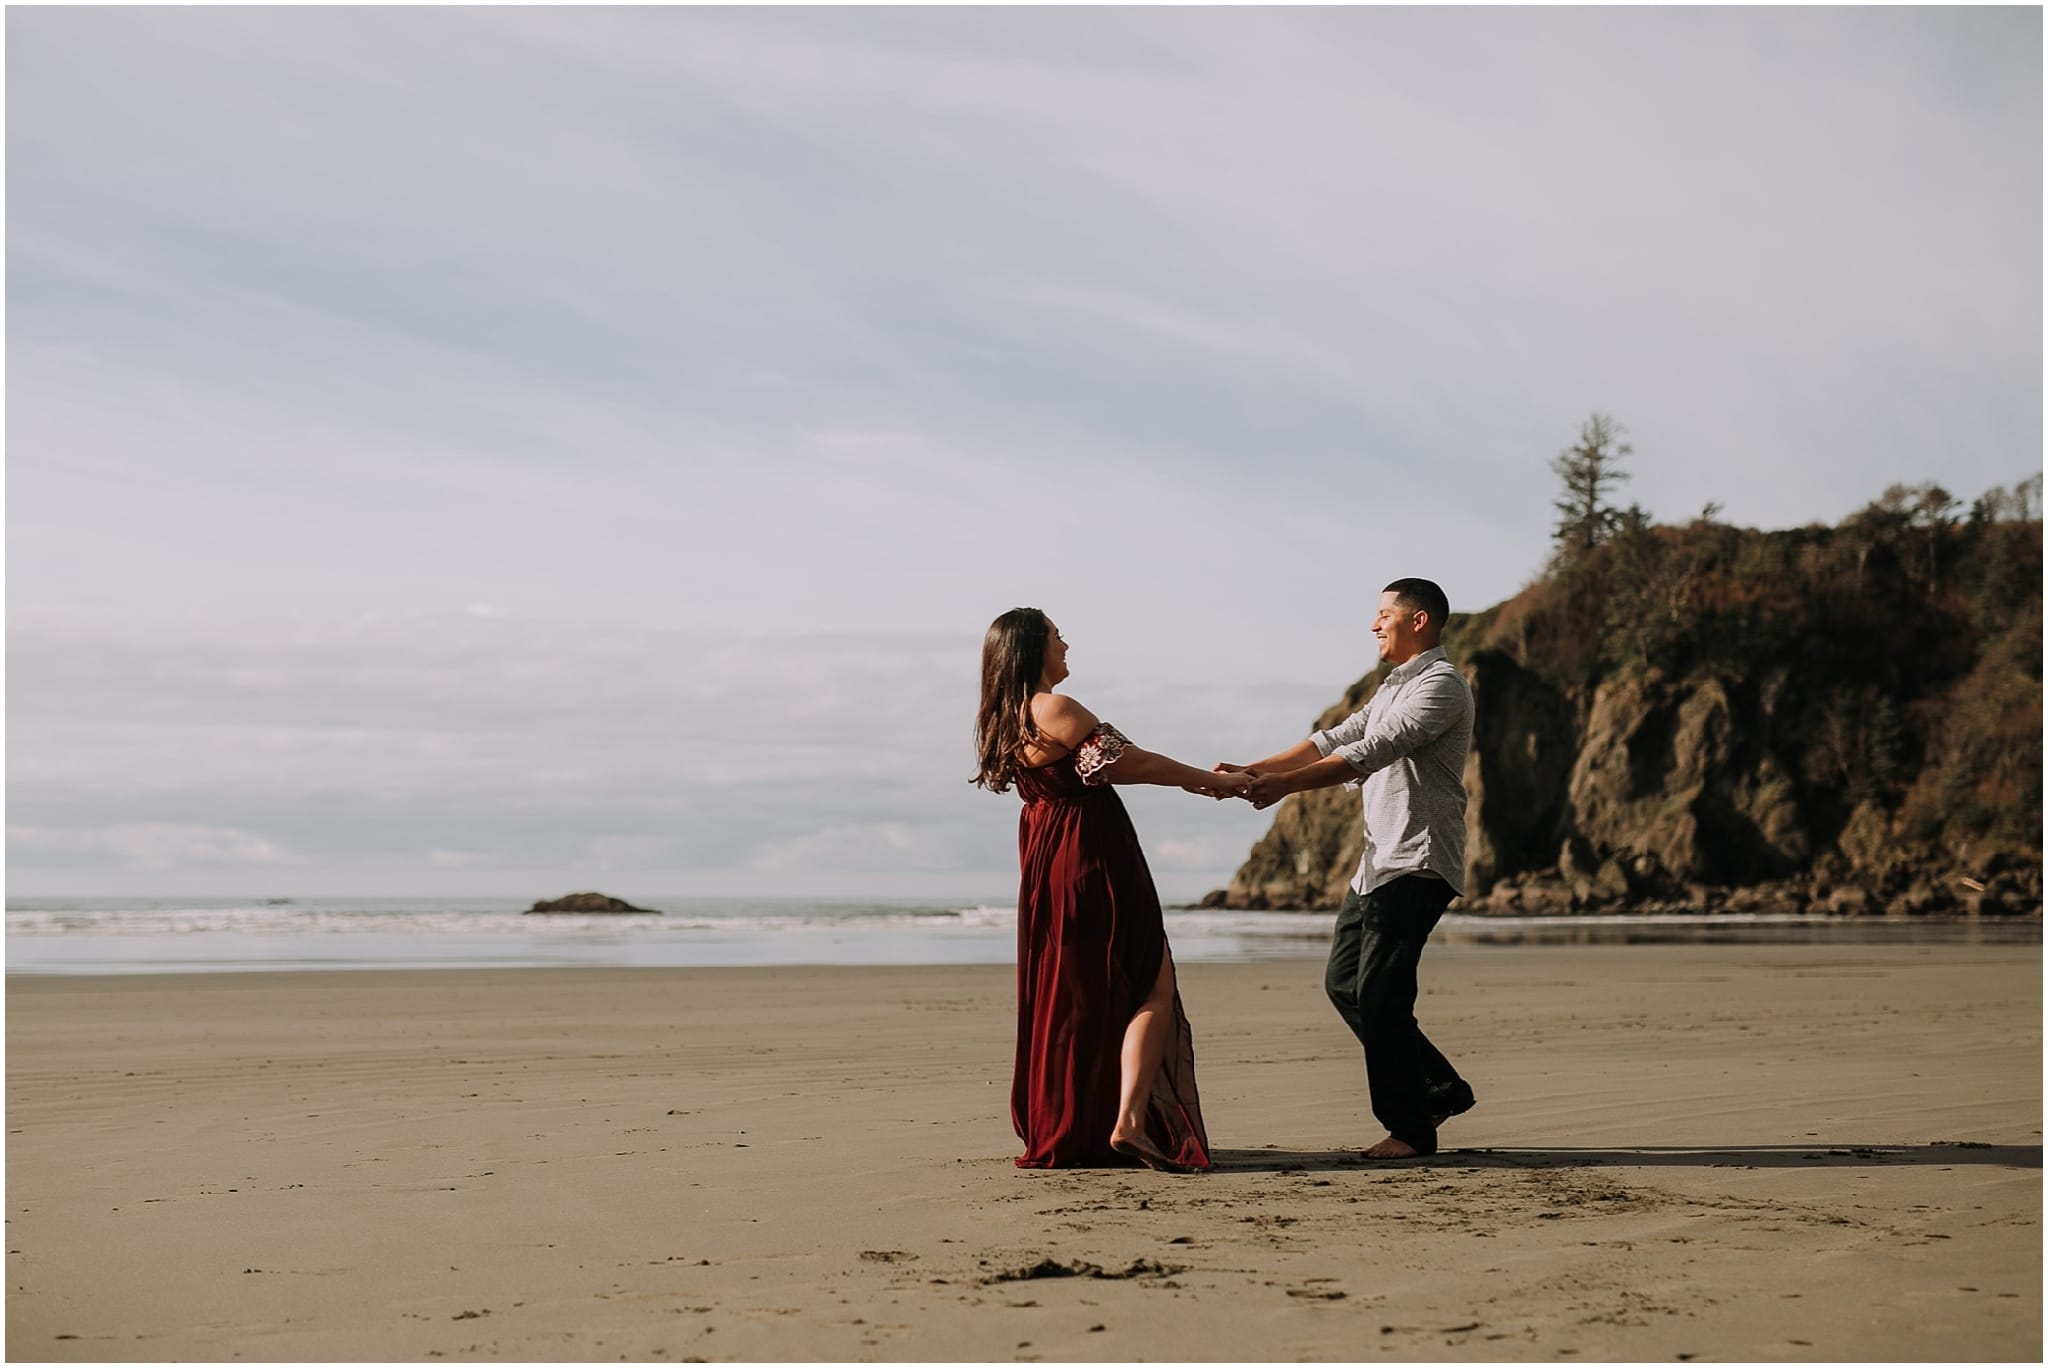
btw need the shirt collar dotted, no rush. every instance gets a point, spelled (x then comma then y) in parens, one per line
(1416, 664)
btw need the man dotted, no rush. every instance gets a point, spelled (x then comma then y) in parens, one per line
(1406, 750)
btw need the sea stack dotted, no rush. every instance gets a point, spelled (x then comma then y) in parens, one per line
(600, 904)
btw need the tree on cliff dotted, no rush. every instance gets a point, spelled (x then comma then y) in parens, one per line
(1634, 622)
(1589, 470)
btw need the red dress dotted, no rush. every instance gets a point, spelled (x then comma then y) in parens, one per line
(1090, 941)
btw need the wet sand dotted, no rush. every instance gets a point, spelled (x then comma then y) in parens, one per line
(1680, 1152)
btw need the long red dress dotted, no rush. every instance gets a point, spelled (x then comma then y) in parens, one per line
(1090, 941)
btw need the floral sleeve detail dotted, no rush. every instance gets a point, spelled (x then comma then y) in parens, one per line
(1104, 746)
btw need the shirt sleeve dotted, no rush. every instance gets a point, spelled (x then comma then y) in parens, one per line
(1425, 711)
(1350, 730)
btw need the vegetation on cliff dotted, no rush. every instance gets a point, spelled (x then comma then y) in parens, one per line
(1842, 717)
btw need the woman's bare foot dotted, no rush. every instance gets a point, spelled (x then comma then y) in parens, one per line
(1131, 1140)
(1389, 1148)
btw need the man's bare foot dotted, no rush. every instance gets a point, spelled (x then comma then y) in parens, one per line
(1390, 1148)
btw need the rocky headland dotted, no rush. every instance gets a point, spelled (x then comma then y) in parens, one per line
(1708, 718)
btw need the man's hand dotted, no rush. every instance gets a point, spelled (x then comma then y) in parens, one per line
(1264, 790)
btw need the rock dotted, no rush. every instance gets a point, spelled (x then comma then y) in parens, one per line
(1983, 902)
(2007, 885)
(591, 904)
(2010, 862)
(1307, 858)
(1523, 744)
(1924, 899)
(1575, 859)
(1544, 898)
(1851, 900)
(1749, 900)
(1764, 799)
(1772, 740)
(1611, 882)
(1867, 837)
(1635, 786)
(2004, 895)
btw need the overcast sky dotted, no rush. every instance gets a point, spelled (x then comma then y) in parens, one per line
(510, 450)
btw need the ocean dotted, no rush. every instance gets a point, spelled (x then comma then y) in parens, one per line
(192, 935)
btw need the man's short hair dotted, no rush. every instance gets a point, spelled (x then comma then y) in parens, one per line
(1423, 596)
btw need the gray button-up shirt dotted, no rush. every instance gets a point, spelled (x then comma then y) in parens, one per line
(1408, 744)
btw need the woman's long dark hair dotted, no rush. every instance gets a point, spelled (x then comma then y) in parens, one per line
(1012, 659)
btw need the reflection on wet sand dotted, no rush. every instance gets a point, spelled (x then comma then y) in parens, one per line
(1295, 938)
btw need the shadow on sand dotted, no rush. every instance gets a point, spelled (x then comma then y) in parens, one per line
(1814, 1154)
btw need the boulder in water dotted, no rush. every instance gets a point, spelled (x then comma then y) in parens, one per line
(591, 903)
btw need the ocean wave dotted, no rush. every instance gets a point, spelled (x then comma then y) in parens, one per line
(141, 935)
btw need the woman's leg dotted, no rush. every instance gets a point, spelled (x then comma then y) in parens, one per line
(1145, 1042)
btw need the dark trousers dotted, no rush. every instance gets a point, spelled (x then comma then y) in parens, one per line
(1371, 981)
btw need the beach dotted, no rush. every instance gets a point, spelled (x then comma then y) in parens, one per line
(1766, 1151)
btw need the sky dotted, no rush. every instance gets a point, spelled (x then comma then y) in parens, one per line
(501, 451)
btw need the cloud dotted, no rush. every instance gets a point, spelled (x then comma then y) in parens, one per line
(595, 438)
(858, 847)
(1208, 852)
(505, 749)
(150, 847)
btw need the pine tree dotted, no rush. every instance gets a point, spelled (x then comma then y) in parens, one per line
(1589, 470)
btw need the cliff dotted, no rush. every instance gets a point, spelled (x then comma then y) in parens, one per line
(1843, 719)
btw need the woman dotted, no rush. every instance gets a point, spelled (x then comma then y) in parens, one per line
(1105, 1060)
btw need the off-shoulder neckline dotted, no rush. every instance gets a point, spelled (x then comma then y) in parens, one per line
(1071, 751)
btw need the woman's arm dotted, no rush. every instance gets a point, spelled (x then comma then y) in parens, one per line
(1136, 765)
(1067, 723)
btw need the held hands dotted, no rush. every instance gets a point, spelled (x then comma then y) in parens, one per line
(1264, 789)
(1260, 789)
(1229, 782)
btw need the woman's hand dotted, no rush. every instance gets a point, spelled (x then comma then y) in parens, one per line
(1223, 787)
(1225, 783)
